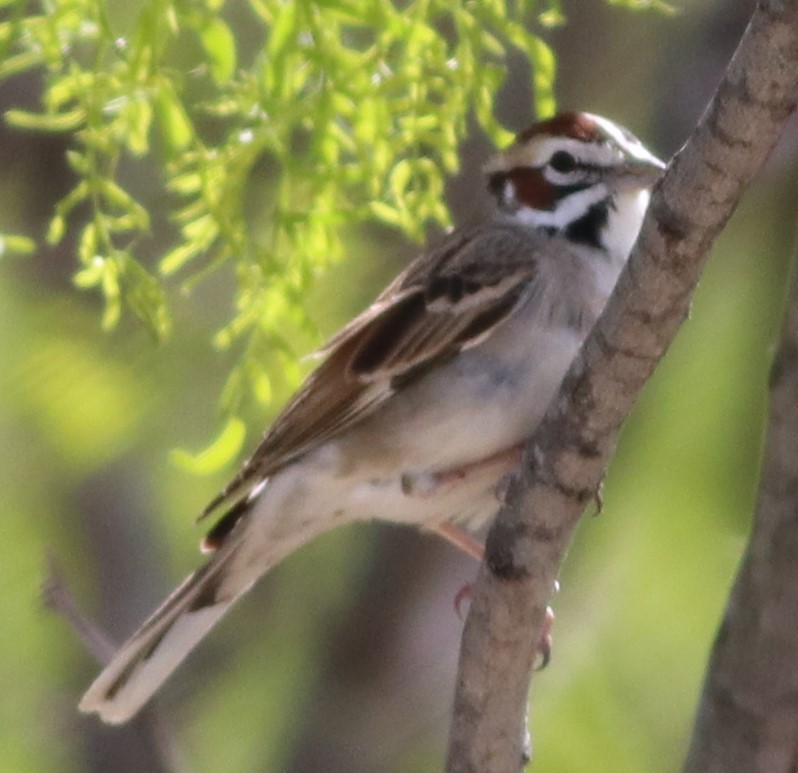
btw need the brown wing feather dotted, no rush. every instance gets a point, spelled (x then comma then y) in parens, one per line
(445, 301)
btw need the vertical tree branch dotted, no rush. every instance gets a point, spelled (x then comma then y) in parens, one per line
(748, 717)
(566, 459)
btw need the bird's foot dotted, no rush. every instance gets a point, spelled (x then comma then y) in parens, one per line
(545, 643)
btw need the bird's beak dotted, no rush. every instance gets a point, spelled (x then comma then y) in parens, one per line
(637, 174)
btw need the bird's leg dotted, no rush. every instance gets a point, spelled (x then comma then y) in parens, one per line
(423, 484)
(428, 484)
(460, 538)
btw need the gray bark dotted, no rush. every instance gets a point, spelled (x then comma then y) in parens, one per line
(748, 716)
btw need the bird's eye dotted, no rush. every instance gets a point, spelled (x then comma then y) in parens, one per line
(562, 161)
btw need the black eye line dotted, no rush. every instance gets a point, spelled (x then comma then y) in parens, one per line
(578, 167)
(562, 191)
(496, 181)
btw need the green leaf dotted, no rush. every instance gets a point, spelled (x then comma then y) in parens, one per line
(16, 244)
(659, 6)
(78, 162)
(56, 122)
(175, 125)
(88, 244)
(109, 282)
(220, 45)
(544, 69)
(400, 178)
(91, 275)
(144, 295)
(175, 259)
(13, 65)
(283, 29)
(553, 16)
(55, 230)
(138, 115)
(185, 184)
(262, 388)
(386, 213)
(218, 455)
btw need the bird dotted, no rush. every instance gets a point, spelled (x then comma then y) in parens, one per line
(420, 406)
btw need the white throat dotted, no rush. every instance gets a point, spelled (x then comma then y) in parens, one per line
(618, 235)
(623, 223)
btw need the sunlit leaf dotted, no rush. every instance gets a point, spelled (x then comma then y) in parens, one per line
(175, 259)
(220, 45)
(16, 244)
(91, 275)
(88, 244)
(109, 282)
(544, 71)
(57, 122)
(283, 29)
(145, 296)
(175, 126)
(219, 454)
(139, 121)
(20, 63)
(660, 6)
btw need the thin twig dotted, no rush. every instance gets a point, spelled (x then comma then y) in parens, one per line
(57, 597)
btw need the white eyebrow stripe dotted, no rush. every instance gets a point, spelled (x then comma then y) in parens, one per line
(587, 155)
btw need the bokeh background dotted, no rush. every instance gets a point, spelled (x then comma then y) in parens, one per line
(343, 659)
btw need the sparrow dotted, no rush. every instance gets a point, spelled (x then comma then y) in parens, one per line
(421, 404)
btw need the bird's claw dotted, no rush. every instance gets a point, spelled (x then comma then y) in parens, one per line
(546, 641)
(465, 593)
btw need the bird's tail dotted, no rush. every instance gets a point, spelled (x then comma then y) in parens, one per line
(144, 662)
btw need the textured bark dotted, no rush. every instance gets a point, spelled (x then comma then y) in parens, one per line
(566, 459)
(748, 717)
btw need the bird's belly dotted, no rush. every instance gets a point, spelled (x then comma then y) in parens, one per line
(398, 464)
(484, 401)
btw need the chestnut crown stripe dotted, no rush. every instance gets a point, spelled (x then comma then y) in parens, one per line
(576, 126)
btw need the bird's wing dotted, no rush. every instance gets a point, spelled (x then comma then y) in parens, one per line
(447, 300)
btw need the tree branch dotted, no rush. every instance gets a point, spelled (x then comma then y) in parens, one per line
(565, 460)
(57, 597)
(748, 717)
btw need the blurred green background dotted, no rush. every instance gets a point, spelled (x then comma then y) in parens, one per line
(343, 658)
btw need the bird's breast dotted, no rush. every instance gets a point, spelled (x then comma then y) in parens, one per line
(476, 404)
